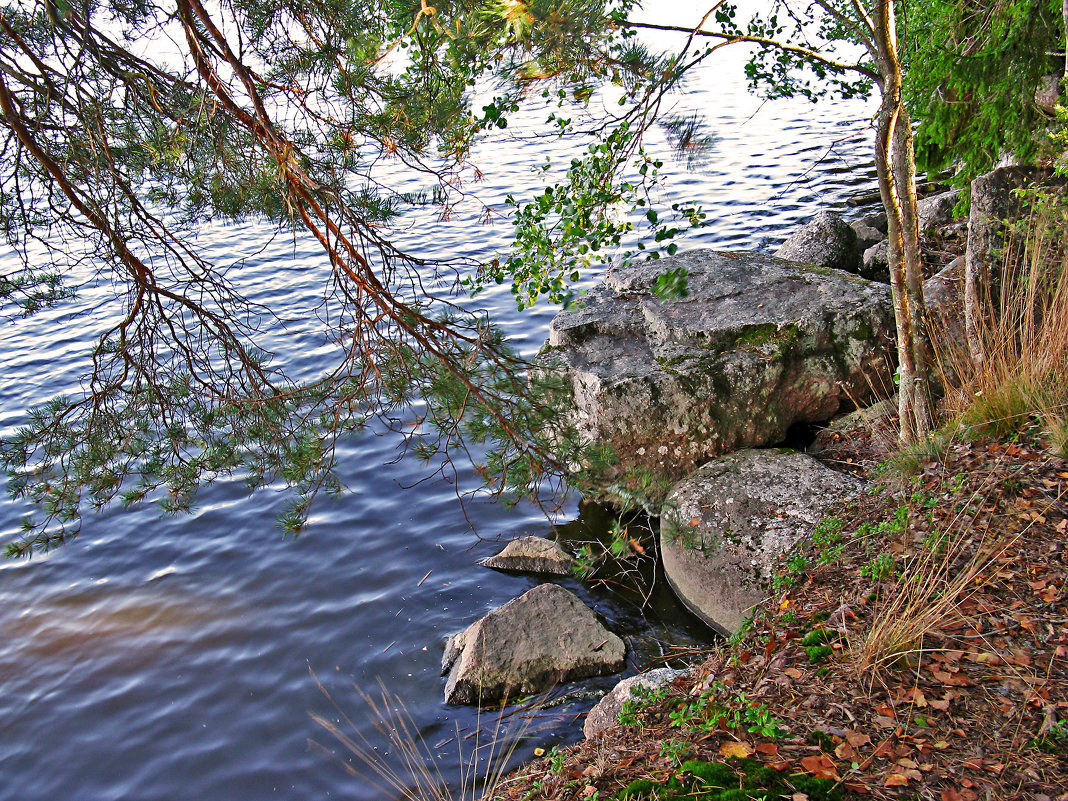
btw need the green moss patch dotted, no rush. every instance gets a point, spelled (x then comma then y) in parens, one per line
(740, 779)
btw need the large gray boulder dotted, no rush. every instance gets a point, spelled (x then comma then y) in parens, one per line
(542, 638)
(724, 528)
(758, 345)
(825, 241)
(532, 555)
(605, 715)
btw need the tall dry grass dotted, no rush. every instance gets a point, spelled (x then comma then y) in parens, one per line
(1023, 375)
(1021, 380)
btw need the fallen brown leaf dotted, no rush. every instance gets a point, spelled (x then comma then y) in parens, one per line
(857, 739)
(847, 752)
(821, 766)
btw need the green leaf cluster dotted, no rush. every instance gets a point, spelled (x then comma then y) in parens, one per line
(972, 69)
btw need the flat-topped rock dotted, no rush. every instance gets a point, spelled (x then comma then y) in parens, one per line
(532, 555)
(540, 639)
(758, 345)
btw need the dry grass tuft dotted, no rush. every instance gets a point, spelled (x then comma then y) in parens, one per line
(408, 769)
(947, 570)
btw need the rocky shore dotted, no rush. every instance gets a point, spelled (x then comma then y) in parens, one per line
(693, 397)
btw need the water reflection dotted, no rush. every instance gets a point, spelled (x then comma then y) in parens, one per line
(157, 659)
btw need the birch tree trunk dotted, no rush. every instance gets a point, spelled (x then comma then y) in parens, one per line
(895, 163)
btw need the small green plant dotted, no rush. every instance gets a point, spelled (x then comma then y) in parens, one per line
(817, 637)
(1054, 741)
(735, 712)
(828, 531)
(881, 567)
(822, 739)
(675, 750)
(782, 581)
(690, 712)
(757, 719)
(925, 500)
(585, 562)
(557, 757)
(827, 539)
(829, 556)
(641, 698)
(738, 637)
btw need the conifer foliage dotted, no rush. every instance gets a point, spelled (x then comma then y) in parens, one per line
(126, 124)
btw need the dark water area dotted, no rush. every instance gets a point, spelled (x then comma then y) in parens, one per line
(160, 658)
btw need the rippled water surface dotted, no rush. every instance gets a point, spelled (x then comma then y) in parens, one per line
(171, 658)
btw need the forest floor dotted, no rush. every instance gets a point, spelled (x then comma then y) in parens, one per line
(916, 647)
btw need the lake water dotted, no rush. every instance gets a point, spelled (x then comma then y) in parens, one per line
(172, 658)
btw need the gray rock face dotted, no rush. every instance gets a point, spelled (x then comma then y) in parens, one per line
(937, 210)
(724, 527)
(944, 295)
(876, 220)
(1048, 93)
(531, 555)
(993, 202)
(604, 716)
(826, 241)
(544, 637)
(876, 265)
(758, 345)
(867, 235)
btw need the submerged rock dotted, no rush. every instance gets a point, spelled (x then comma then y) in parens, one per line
(724, 528)
(758, 345)
(544, 637)
(532, 555)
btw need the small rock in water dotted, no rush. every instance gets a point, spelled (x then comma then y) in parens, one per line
(544, 637)
(531, 555)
